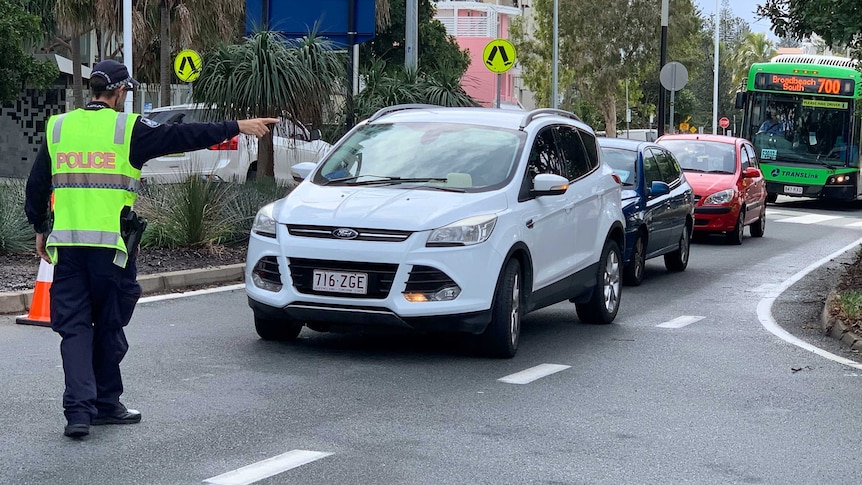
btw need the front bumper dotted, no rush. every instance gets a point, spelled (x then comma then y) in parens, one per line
(474, 269)
(715, 218)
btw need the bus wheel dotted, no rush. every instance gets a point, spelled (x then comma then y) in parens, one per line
(771, 197)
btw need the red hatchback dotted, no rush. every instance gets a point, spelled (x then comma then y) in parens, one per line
(729, 189)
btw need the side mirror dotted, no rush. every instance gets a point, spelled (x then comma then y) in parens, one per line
(658, 188)
(741, 98)
(549, 184)
(300, 171)
(315, 135)
(752, 173)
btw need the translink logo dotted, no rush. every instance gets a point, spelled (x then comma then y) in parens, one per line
(787, 173)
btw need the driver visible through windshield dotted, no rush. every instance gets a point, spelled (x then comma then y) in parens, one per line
(432, 155)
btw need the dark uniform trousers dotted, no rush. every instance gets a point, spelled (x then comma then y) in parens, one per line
(92, 299)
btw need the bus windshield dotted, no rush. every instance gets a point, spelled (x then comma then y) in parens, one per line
(802, 129)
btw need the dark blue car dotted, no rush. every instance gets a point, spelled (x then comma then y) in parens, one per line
(658, 205)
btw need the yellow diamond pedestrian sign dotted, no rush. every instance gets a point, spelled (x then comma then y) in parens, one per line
(187, 65)
(499, 55)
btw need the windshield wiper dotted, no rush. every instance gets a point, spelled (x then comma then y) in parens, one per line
(443, 188)
(386, 180)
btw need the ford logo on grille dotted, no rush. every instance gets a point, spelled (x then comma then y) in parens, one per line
(345, 233)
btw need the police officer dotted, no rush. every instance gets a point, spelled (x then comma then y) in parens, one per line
(91, 161)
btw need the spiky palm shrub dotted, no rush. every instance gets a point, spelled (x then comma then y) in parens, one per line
(385, 86)
(16, 235)
(192, 213)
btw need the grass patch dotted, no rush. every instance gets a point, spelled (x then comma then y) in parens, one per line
(851, 302)
(16, 234)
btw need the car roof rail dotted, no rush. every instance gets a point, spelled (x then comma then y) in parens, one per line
(546, 111)
(398, 107)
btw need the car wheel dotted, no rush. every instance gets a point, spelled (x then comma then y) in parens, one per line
(251, 175)
(771, 197)
(277, 329)
(633, 273)
(735, 236)
(678, 260)
(605, 300)
(500, 338)
(759, 227)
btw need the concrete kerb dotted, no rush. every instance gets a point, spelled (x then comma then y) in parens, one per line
(18, 302)
(835, 328)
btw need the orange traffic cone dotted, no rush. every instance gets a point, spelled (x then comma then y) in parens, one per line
(40, 306)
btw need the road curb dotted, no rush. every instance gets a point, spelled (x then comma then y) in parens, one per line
(18, 302)
(835, 328)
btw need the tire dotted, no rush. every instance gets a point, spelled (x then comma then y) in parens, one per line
(604, 303)
(500, 338)
(735, 236)
(633, 273)
(281, 330)
(759, 227)
(771, 197)
(678, 260)
(251, 175)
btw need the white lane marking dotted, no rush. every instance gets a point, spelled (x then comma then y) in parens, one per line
(764, 310)
(680, 322)
(172, 296)
(854, 224)
(529, 375)
(809, 219)
(267, 468)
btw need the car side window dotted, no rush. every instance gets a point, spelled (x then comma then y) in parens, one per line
(752, 155)
(667, 168)
(651, 170)
(574, 155)
(744, 158)
(591, 147)
(544, 156)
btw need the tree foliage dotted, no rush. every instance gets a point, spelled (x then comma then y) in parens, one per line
(436, 50)
(18, 69)
(838, 22)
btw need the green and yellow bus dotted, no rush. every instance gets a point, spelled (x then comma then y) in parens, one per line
(800, 111)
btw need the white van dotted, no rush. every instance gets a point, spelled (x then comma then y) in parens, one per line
(639, 134)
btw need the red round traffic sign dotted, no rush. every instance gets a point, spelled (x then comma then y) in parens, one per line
(724, 122)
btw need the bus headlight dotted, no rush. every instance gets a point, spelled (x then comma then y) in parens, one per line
(840, 179)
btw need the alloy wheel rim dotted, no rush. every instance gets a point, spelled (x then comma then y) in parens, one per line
(515, 315)
(611, 281)
(684, 246)
(639, 258)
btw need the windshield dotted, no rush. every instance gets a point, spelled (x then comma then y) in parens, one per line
(623, 162)
(425, 154)
(802, 129)
(703, 156)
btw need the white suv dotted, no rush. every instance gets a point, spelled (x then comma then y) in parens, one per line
(234, 159)
(442, 219)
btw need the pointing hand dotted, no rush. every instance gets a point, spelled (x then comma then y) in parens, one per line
(256, 126)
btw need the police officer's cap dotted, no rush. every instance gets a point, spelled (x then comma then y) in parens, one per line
(114, 73)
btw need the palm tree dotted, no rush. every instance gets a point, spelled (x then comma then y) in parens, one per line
(269, 75)
(753, 47)
(164, 27)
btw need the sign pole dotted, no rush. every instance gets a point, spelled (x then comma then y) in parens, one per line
(662, 58)
(351, 41)
(499, 88)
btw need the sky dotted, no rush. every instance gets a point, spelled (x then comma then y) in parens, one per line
(744, 9)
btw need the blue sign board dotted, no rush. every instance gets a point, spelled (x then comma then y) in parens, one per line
(297, 18)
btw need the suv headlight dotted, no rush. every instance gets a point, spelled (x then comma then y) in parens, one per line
(719, 198)
(466, 232)
(264, 223)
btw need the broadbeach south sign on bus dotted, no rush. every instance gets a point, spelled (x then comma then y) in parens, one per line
(804, 84)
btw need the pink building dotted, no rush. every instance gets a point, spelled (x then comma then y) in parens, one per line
(474, 24)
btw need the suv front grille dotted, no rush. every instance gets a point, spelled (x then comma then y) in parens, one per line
(425, 279)
(380, 276)
(326, 232)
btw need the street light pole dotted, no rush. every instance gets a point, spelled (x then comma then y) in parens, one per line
(556, 46)
(129, 105)
(662, 60)
(715, 76)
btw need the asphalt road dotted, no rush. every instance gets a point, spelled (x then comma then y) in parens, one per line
(687, 386)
